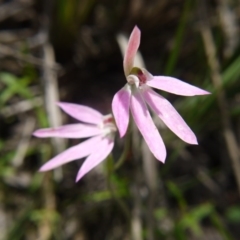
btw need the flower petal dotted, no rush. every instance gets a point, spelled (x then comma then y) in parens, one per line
(70, 131)
(81, 113)
(146, 126)
(98, 155)
(133, 45)
(176, 86)
(163, 108)
(79, 151)
(120, 108)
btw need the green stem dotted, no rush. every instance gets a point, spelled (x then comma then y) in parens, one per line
(124, 154)
(122, 205)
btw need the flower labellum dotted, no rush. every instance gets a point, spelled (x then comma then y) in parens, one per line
(100, 128)
(137, 94)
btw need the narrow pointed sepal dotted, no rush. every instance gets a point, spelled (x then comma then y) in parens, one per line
(120, 108)
(132, 48)
(175, 86)
(81, 113)
(96, 157)
(77, 130)
(79, 151)
(147, 127)
(164, 109)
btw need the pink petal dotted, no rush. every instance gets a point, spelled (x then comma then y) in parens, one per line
(99, 154)
(70, 131)
(79, 151)
(133, 45)
(120, 108)
(146, 126)
(163, 108)
(81, 113)
(173, 85)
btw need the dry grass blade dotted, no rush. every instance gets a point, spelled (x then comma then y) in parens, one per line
(20, 107)
(216, 77)
(52, 94)
(10, 36)
(8, 10)
(228, 21)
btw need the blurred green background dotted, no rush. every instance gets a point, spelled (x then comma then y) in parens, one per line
(67, 50)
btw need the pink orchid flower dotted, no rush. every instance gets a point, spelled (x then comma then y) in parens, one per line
(137, 94)
(100, 128)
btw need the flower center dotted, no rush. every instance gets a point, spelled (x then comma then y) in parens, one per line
(108, 119)
(108, 124)
(140, 75)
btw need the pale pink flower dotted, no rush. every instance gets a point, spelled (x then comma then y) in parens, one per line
(100, 128)
(137, 93)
